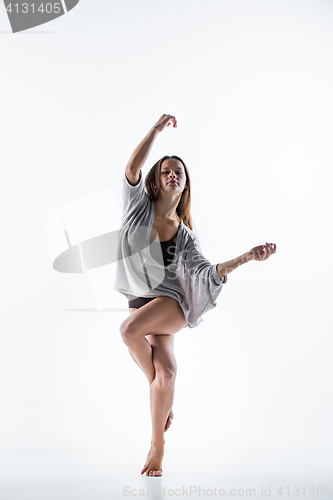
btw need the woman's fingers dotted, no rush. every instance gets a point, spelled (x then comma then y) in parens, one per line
(171, 120)
(166, 121)
(262, 252)
(269, 249)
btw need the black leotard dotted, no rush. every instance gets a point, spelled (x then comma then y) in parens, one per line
(168, 251)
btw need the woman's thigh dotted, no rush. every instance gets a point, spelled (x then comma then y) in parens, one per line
(161, 316)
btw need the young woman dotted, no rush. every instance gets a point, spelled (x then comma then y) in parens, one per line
(168, 282)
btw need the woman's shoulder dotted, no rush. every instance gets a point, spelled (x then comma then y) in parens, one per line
(136, 201)
(133, 187)
(136, 191)
(190, 235)
(188, 231)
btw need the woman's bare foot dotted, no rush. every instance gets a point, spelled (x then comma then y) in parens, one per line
(169, 420)
(153, 465)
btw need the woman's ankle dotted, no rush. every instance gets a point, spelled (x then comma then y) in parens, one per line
(158, 444)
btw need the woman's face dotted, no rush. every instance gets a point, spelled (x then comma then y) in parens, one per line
(172, 176)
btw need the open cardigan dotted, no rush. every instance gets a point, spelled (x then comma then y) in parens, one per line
(190, 279)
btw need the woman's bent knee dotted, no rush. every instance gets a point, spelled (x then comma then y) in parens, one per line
(127, 331)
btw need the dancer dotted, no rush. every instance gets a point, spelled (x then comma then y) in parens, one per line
(168, 282)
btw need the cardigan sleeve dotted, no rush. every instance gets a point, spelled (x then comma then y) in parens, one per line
(201, 280)
(133, 196)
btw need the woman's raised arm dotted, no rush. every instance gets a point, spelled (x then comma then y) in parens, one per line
(262, 252)
(141, 153)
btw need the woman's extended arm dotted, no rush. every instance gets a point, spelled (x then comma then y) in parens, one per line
(141, 153)
(260, 253)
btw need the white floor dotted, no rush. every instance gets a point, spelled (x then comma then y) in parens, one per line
(253, 407)
(101, 474)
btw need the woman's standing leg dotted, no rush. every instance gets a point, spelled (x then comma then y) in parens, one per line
(159, 354)
(162, 391)
(160, 317)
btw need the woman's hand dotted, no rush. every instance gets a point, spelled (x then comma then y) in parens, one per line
(165, 121)
(262, 252)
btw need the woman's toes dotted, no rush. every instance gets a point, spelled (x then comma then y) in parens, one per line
(154, 473)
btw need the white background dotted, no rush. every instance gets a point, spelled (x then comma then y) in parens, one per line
(250, 83)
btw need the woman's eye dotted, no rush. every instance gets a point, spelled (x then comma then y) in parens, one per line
(166, 172)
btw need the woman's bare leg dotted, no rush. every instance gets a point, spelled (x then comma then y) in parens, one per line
(140, 349)
(161, 399)
(159, 354)
(160, 317)
(146, 365)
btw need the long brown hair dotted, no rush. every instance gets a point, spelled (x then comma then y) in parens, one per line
(153, 187)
